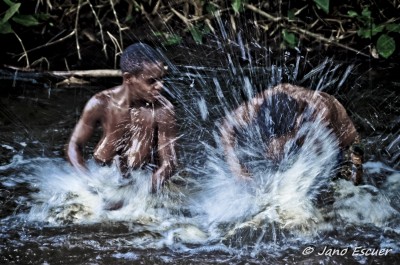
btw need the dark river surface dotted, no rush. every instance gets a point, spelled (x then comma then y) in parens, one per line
(298, 214)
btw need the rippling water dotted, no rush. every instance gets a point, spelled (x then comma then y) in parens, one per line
(287, 214)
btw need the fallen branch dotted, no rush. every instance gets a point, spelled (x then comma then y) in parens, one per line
(88, 73)
(76, 73)
(321, 38)
(262, 13)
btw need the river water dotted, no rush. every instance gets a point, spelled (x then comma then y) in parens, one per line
(293, 213)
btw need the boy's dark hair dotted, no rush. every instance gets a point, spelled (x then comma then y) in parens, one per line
(277, 115)
(136, 56)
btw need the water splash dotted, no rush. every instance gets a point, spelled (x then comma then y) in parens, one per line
(205, 209)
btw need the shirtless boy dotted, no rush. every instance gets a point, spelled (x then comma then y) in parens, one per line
(288, 106)
(138, 123)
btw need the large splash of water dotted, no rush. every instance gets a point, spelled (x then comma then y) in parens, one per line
(204, 203)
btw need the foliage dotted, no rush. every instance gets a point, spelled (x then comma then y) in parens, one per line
(323, 4)
(237, 6)
(385, 44)
(290, 39)
(13, 14)
(361, 26)
(168, 39)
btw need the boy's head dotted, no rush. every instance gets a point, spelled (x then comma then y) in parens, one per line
(137, 56)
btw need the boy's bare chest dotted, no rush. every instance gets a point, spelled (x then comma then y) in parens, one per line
(132, 121)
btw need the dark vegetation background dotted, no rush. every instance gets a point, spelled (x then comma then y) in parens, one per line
(90, 34)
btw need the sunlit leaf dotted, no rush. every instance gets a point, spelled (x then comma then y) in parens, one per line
(5, 28)
(323, 4)
(26, 20)
(385, 45)
(10, 12)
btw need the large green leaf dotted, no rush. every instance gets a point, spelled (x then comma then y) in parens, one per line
(385, 45)
(10, 12)
(26, 20)
(323, 4)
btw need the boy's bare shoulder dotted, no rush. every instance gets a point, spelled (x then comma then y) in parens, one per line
(104, 96)
(166, 110)
(99, 100)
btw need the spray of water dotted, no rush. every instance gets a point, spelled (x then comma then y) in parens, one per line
(205, 203)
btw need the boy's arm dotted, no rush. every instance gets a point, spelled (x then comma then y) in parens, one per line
(167, 136)
(237, 119)
(82, 132)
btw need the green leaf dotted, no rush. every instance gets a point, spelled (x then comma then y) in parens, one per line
(168, 39)
(197, 35)
(8, 2)
(352, 13)
(364, 33)
(158, 33)
(376, 29)
(323, 4)
(172, 39)
(237, 6)
(10, 12)
(385, 46)
(43, 16)
(289, 38)
(393, 28)
(5, 28)
(211, 9)
(26, 20)
(368, 32)
(366, 13)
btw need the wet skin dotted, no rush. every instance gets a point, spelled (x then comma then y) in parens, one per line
(138, 126)
(307, 104)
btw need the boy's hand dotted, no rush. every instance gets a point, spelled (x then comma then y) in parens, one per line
(157, 180)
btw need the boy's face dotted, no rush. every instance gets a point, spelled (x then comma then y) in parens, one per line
(147, 85)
